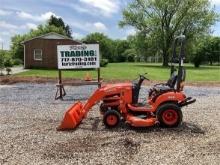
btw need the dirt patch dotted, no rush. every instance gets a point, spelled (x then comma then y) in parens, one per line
(67, 150)
(92, 145)
(13, 79)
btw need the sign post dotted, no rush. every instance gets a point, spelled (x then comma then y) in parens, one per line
(76, 57)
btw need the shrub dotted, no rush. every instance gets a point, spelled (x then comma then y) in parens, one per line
(197, 60)
(8, 62)
(104, 62)
(8, 70)
(130, 58)
(17, 61)
(2, 59)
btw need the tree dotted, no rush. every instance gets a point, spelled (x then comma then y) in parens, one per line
(207, 50)
(16, 46)
(120, 46)
(105, 44)
(58, 22)
(212, 49)
(130, 54)
(17, 49)
(160, 21)
(2, 59)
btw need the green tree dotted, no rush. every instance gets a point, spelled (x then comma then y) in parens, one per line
(160, 21)
(212, 49)
(120, 46)
(58, 22)
(143, 46)
(105, 44)
(2, 59)
(130, 54)
(17, 48)
(207, 50)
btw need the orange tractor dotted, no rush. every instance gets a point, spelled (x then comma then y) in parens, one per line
(119, 102)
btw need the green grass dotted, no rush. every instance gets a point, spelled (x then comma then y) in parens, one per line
(129, 71)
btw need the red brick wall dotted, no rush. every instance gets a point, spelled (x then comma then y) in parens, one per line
(49, 52)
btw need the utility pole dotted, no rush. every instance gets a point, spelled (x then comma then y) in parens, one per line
(2, 45)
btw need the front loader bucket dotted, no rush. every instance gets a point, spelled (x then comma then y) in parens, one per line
(72, 117)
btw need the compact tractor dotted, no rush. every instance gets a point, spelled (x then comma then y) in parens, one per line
(119, 102)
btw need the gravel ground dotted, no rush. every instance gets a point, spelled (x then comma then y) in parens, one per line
(29, 116)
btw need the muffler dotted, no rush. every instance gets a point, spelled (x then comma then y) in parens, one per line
(187, 101)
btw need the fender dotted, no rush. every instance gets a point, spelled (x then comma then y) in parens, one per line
(167, 97)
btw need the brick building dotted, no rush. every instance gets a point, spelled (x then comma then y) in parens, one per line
(41, 51)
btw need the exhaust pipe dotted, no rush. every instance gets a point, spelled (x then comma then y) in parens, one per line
(187, 101)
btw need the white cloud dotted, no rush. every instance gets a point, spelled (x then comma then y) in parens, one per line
(130, 31)
(99, 26)
(6, 25)
(5, 33)
(1, 39)
(215, 2)
(47, 15)
(24, 15)
(77, 35)
(37, 18)
(80, 8)
(31, 26)
(106, 7)
(3, 12)
(89, 27)
(12, 28)
(93, 7)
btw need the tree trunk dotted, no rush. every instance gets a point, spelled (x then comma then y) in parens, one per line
(165, 58)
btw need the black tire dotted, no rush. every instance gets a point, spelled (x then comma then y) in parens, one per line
(169, 115)
(111, 115)
(103, 108)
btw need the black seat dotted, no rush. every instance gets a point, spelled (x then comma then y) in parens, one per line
(172, 81)
(169, 85)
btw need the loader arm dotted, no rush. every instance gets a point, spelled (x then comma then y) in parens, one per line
(98, 95)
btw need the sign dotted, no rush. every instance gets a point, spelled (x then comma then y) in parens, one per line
(78, 56)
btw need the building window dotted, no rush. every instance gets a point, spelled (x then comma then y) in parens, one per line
(38, 54)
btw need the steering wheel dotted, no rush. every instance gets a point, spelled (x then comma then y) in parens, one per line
(142, 76)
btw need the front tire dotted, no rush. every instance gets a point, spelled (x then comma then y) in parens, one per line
(111, 118)
(169, 115)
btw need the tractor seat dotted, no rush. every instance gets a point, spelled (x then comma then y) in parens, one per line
(172, 81)
(169, 86)
(163, 87)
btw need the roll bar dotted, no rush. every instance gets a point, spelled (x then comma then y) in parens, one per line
(179, 41)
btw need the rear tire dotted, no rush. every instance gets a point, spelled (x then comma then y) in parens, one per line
(111, 118)
(169, 115)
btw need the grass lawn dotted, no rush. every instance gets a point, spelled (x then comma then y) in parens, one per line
(129, 71)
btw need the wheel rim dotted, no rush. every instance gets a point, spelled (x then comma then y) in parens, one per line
(170, 117)
(111, 120)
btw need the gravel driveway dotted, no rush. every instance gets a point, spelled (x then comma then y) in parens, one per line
(29, 116)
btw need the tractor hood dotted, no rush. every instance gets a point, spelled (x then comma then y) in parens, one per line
(118, 86)
(120, 89)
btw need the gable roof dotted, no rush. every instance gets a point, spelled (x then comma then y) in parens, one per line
(51, 36)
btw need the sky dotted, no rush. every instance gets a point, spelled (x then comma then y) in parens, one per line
(83, 16)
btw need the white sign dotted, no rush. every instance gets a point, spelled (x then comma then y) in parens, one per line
(78, 56)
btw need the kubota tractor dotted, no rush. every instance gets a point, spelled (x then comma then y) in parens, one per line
(119, 102)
